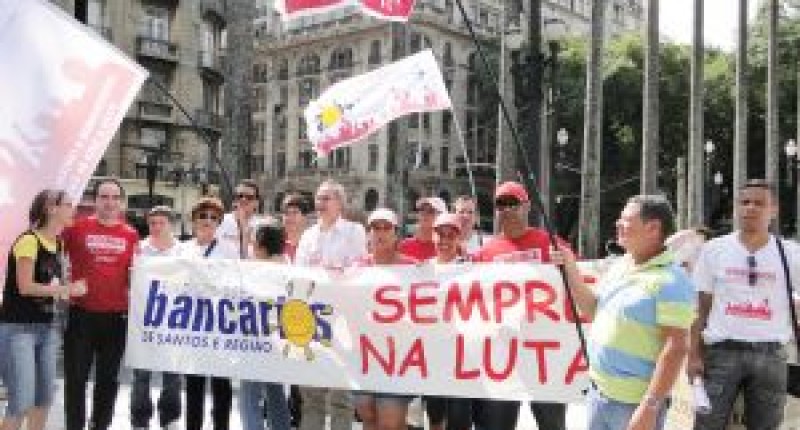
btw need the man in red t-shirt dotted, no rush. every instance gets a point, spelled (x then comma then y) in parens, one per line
(100, 250)
(516, 242)
(420, 246)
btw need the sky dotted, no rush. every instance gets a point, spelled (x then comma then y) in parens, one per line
(720, 21)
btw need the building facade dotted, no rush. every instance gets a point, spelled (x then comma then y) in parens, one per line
(181, 44)
(423, 154)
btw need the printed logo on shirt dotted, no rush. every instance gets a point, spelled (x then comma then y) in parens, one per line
(527, 255)
(103, 244)
(740, 276)
(750, 310)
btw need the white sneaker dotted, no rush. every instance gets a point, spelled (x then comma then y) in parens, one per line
(175, 425)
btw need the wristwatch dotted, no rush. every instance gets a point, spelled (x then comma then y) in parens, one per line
(652, 402)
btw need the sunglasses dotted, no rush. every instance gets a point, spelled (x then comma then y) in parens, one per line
(207, 216)
(245, 196)
(752, 276)
(507, 204)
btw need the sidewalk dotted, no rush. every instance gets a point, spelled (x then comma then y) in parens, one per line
(575, 415)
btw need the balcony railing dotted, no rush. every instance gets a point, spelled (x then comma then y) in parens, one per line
(211, 61)
(157, 48)
(158, 112)
(208, 120)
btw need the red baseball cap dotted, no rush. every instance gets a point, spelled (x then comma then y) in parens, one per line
(511, 189)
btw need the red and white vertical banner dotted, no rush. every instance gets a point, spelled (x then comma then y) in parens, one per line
(63, 93)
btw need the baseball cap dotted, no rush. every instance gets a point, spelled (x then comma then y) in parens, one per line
(435, 202)
(450, 219)
(382, 214)
(511, 189)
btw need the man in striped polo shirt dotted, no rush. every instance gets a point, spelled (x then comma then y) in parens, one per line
(642, 310)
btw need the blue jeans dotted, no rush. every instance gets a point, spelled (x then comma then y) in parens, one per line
(30, 350)
(607, 414)
(254, 396)
(169, 401)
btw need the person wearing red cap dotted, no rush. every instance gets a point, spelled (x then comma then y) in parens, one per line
(420, 246)
(382, 410)
(516, 242)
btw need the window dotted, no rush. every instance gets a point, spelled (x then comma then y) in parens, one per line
(341, 58)
(415, 43)
(305, 159)
(155, 23)
(447, 119)
(448, 55)
(444, 162)
(283, 69)
(375, 52)
(302, 132)
(425, 156)
(374, 153)
(259, 73)
(341, 158)
(257, 163)
(426, 121)
(284, 95)
(308, 65)
(258, 133)
(279, 131)
(280, 163)
(306, 90)
(413, 120)
(211, 96)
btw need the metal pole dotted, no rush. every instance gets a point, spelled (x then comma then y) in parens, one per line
(681, 194)
(740, 132)
(535, 106)
(650, 137)
(695, 190)
(773, 147)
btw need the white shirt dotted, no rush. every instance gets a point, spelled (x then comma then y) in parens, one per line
(739, 311)
(474, 242)
(147, 249)
(341, 245)
(228, 231)
(222, 250)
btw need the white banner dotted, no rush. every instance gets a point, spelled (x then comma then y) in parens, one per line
(491, 331)
(63, 93)
(352, 109)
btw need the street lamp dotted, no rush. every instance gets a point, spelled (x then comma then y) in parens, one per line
(793, 160)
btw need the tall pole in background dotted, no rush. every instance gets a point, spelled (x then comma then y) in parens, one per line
(650, 137)
(695, 186)
(773, 146)
(740, 127)
(535, 103)
(588, 224)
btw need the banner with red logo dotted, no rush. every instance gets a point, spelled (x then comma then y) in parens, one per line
(64, 93)
(502, 331)
(352, 109)
(391, 10)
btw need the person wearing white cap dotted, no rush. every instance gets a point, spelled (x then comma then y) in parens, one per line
(420, 246)
(379, 410)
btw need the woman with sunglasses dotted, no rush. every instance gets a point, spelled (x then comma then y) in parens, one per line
(206, 216)
(27, 321)
(379, 410)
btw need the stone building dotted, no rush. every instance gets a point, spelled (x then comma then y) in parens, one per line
(181, 44)
(294, 62)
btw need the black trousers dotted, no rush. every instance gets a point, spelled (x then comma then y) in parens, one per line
(92, 338)
(221, 396)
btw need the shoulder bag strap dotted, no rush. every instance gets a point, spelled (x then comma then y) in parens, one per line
(789, 290)
(210, 248)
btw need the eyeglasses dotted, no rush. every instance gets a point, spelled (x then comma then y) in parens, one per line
(752, 275)
(207, 216)
(323, 197)
(507, 204)
(245, 196)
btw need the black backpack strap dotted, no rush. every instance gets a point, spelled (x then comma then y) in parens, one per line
(210, 248)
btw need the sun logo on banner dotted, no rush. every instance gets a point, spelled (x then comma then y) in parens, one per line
(330, 115)
(297, 319)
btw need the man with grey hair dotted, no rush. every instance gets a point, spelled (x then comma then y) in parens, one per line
(332, 243)
(642, 310)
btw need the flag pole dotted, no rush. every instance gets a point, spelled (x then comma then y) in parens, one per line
(530, 179)
(226, 179)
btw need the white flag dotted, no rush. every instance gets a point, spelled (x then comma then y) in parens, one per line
(64, 93)
(352, 109)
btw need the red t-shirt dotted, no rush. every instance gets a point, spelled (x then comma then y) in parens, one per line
(416, 248)
(102, 255)
(533, 245)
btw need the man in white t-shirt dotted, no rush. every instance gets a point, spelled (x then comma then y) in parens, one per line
(467, 211)
(333, 243)
(743, 319)
(237, 227)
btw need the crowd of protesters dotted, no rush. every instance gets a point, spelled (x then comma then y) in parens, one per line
(728, 318)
